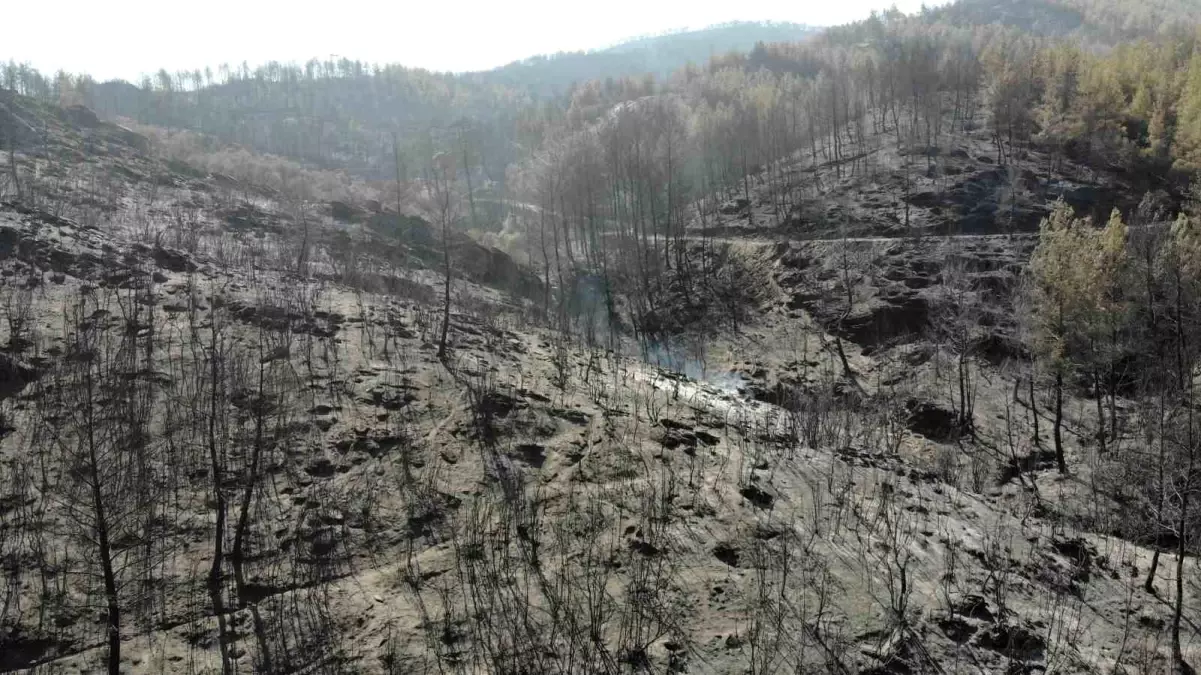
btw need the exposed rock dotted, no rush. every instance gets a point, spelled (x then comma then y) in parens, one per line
(1013, 641)
(726, 553)
(497, 404)
(133, 139)
(533, 395)
(897, 654)
(273, 317)
(322, 542)
(389, 397)
(320, 468)
(1151, 621)
(81, 115)
(997, 348)
(644, 548)
(20, 650)
(925, 199)
(530, 454)
(1080, 553)
(276, 354)
(493, 267)
(956, 629)
(14, 376)
(577, 417)
(346, 213)
(975, 607)
(886, 321)
(224, 180)
(735, 206)
(674, 439)
(933, 421)
(173, 261)
(248, 217)
(757, 496)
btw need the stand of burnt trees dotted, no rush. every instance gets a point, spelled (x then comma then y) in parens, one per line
(149, 441)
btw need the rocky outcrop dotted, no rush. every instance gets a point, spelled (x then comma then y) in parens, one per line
(886, 321)
(735, 206)
(933, 421)
(14, 376)
(173, 260)
(347, 213)
(131, 138)
(493, 267)
(82, 116)
(897, 292)
(248, 217)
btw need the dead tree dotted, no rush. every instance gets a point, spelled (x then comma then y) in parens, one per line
(440, 181)
(95, 434)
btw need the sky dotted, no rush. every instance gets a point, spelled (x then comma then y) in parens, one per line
(126, 38)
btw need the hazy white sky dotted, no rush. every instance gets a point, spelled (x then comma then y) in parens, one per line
(125, 38)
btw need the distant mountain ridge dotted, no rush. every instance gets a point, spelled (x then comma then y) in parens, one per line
(659, 55)
(731, 35)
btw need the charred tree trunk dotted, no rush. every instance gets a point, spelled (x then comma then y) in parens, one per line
(1057, 429)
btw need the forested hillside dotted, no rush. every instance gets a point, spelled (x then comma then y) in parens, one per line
(1103, 21)
(343, 113)
(1124, 104)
